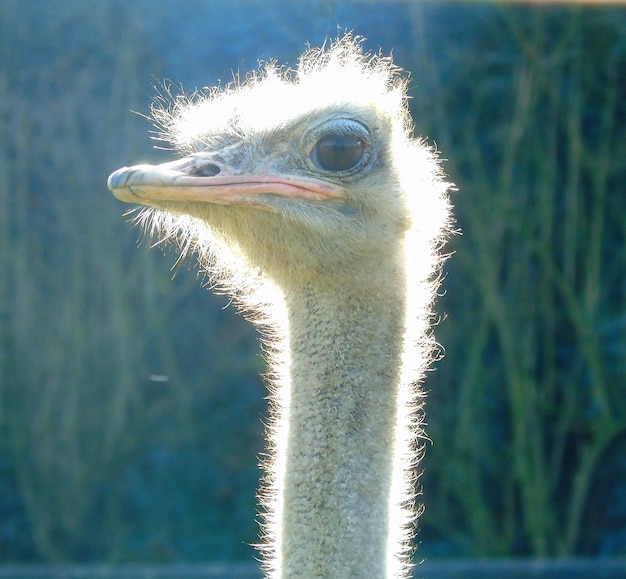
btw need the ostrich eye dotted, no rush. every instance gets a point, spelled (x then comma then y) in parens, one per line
(338, 152)
(340, 145)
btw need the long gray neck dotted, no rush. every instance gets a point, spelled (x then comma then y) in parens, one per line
(340, 402)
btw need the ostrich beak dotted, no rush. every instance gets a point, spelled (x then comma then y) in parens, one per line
(196, 179)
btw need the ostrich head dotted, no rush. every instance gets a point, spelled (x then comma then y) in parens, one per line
(300, 174)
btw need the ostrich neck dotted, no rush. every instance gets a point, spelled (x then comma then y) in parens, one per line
(340, 409)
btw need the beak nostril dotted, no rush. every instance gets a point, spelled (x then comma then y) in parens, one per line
(207, 170)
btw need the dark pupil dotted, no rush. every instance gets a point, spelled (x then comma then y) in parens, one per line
(339, 152)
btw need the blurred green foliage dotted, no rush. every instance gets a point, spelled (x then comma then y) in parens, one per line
(130, 399)
(528, 453)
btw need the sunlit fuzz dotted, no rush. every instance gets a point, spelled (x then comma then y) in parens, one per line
(305, 196)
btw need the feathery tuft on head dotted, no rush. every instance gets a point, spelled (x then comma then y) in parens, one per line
(273, 96)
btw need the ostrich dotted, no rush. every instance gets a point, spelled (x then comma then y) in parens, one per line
(304, 196)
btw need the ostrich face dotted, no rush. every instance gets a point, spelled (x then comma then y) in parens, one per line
(315, 194)
(316, 162)
(297, 175)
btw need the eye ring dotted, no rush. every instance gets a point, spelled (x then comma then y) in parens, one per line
(340, 146)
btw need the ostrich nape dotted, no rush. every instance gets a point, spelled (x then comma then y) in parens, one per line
(304, 194)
